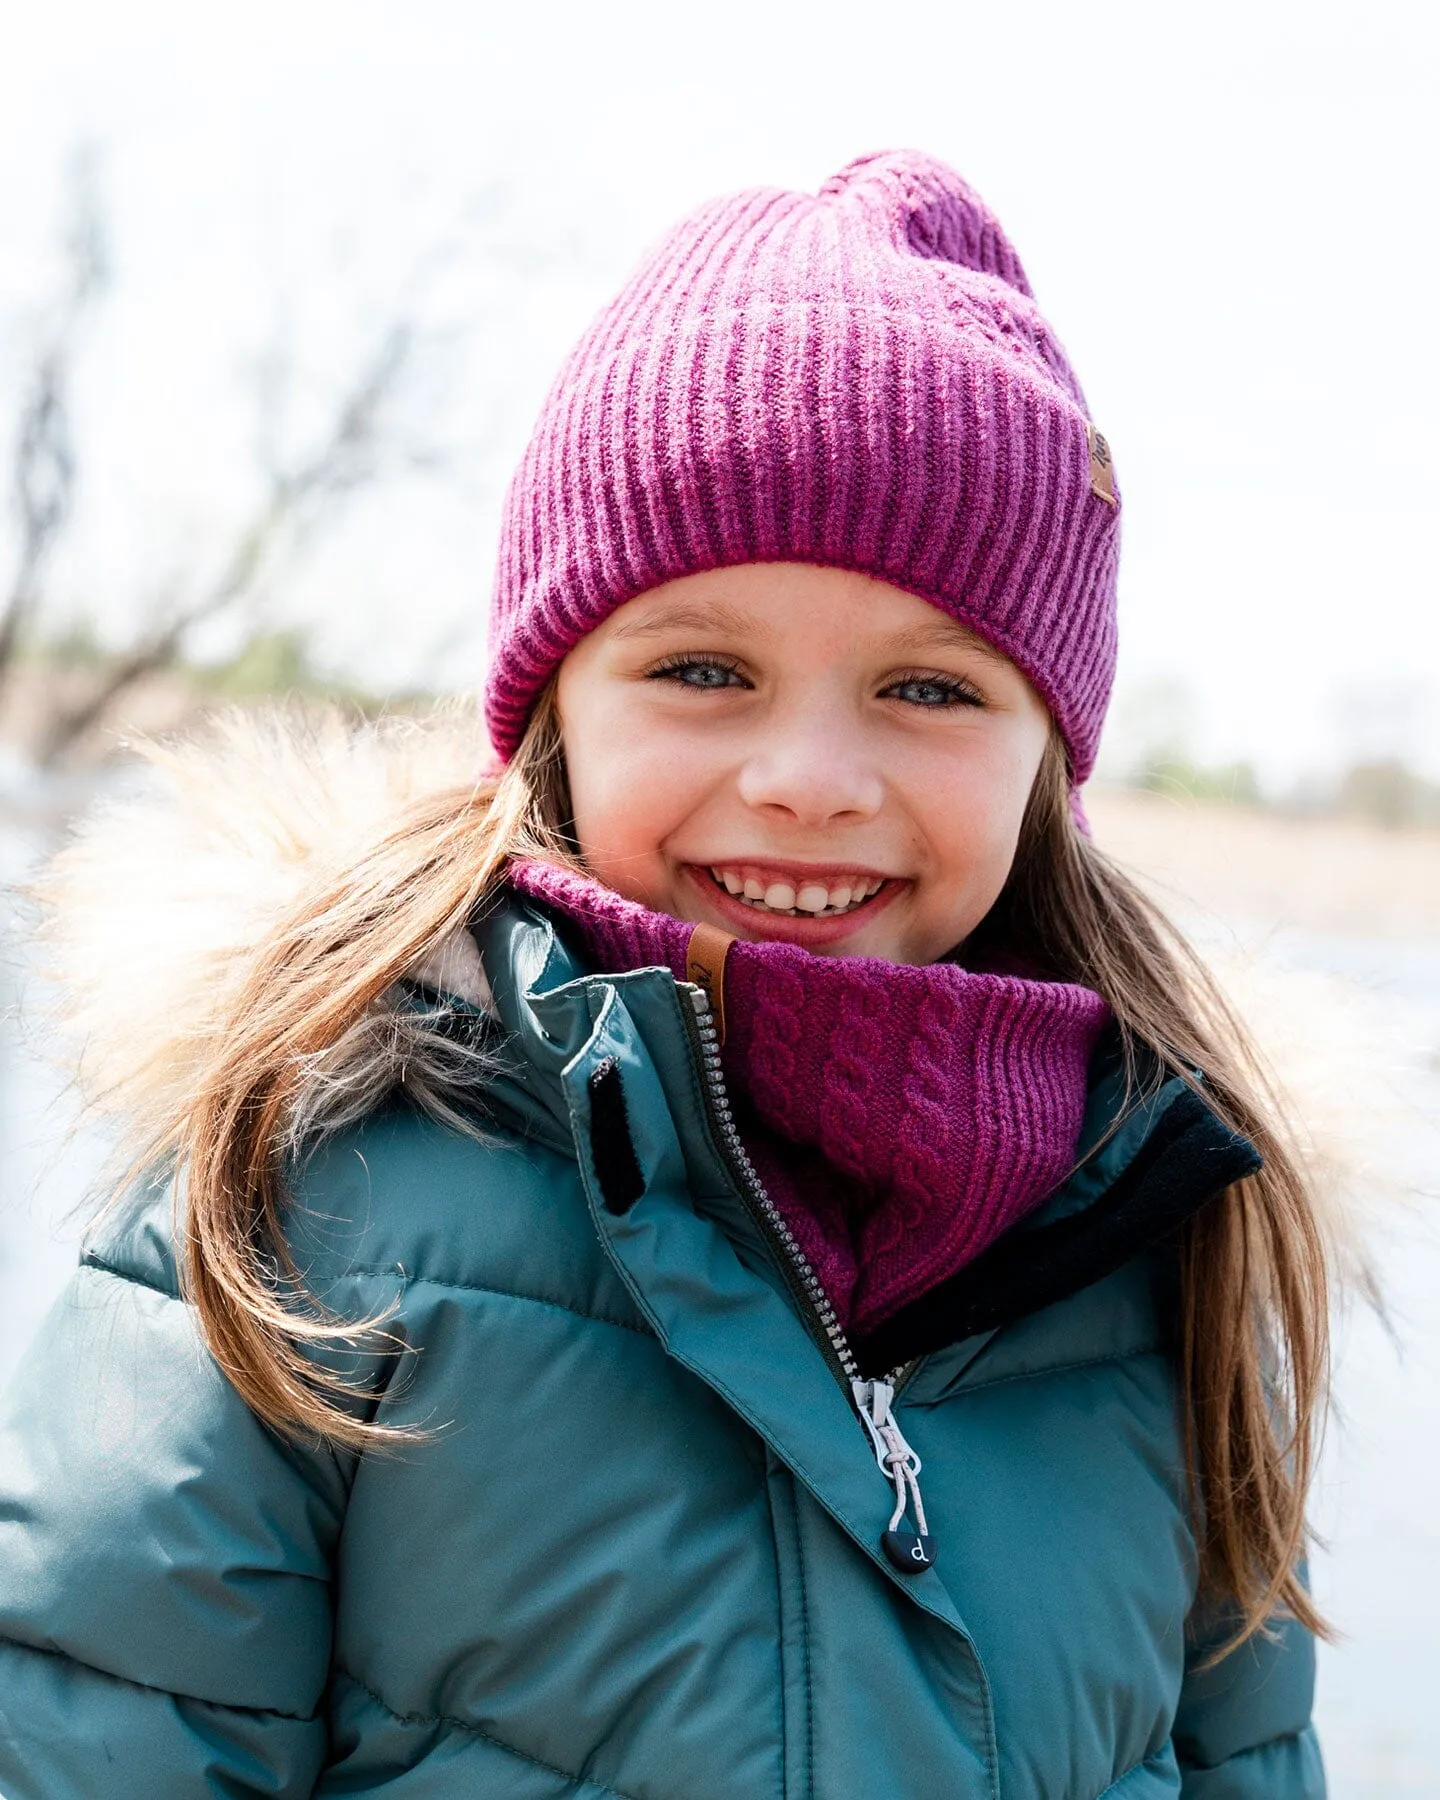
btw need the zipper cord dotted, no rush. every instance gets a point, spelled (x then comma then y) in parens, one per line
(897, 1459)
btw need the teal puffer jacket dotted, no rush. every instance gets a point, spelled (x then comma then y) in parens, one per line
(637, 1553)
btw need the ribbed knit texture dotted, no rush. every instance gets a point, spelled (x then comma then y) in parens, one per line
(858, 378)
(901, 1117)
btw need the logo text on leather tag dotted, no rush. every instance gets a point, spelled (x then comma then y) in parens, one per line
(1102, 468)
(705, 966)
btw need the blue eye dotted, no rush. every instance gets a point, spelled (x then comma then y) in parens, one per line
(931, 691)
(697, 672)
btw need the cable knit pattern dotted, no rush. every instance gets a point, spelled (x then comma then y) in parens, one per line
(901, 1117)
(858, 378)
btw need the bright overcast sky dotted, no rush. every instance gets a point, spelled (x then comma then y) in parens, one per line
(1227, 211)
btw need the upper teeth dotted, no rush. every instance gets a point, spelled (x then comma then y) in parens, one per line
(810, 897)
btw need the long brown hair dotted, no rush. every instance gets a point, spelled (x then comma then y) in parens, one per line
(1254, 1326)
(1253, 1265)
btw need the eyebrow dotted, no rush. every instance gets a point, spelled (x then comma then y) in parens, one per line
(945, 633)
(940, 633)
(689, 615)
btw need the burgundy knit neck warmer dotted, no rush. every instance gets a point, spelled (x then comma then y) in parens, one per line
(901, 1117)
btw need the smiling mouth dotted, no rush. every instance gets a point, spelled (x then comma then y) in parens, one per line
(798, 899)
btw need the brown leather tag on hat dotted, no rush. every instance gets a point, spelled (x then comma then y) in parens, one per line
(705, 965)
(1102, 468)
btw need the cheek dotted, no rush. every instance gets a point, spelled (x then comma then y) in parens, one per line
(613, 806)
(630, 789)
(973, 838)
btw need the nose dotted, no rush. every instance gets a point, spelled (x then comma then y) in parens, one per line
(813, 771)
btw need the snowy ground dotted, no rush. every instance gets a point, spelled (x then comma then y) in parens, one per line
(1379, 1505)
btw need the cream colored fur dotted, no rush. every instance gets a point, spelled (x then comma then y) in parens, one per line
(1340, 1075)
(155, 909)
(159, 902)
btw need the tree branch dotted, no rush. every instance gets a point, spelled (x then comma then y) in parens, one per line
(44, 468)
(348, 457)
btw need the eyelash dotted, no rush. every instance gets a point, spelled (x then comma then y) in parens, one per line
(676, 665)
(957, 691)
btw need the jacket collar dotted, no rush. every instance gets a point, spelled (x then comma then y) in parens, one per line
(901, 1117)
(1146, 1161)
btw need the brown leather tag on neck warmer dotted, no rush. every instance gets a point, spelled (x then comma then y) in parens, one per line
(705, 965)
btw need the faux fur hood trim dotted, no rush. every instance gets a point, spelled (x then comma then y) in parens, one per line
(157, 906)
(155, 910)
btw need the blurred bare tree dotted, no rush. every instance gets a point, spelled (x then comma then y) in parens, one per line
(297, 492)
(292, 499)
(43, 478)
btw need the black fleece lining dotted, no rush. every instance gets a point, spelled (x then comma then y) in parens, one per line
(1188, 1158)
(617, 1168)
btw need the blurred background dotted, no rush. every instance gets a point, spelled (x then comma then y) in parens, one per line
(281, 288)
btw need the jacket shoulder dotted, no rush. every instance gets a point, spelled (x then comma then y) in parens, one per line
(402, 1200)
(419, 1205)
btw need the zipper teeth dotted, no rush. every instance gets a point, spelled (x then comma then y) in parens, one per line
(755, 1188)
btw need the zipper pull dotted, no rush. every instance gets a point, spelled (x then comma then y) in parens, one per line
(909, 1551)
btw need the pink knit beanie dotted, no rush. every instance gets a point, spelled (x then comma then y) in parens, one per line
(858, 378)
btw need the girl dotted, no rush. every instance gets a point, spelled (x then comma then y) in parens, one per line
(735, 1255)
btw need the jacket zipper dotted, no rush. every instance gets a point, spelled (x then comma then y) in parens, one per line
(872, 1399)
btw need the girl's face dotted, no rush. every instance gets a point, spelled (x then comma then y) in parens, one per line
(800, 753)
